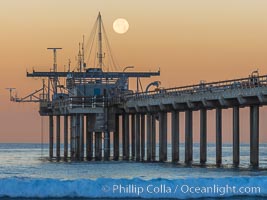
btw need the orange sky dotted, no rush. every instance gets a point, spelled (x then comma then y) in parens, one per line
(189, 40)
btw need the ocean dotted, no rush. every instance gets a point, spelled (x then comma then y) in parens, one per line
(26, 173)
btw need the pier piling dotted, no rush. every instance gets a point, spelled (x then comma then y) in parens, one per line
(162, 136)
(143, 137)
(77, 137)
(51, 136)
(175, 136)
(98, 146)
(236, 138)
(153, 137)
(116, 139)
(125, 134)
(149, 137)
(137, 137)
(106, 145)
(203, 136)
(218, 136)
(133, 133)
(89, 140)
(254, 135)
(81, 137)
(188, 137)
(66, 127)
(72, 136)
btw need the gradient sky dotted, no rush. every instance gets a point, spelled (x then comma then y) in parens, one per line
(189, 40)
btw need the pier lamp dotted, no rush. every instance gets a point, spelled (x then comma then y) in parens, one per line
(128, 67)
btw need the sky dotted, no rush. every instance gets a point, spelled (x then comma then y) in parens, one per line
(189, 40)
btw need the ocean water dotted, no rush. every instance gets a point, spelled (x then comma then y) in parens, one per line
(25, 172)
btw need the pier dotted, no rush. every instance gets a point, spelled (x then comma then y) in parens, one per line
(96, 107)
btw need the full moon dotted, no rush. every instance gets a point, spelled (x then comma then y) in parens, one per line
(120, 25)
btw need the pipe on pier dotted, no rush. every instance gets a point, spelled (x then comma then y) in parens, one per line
(89, 139)
(149, 137)
(98, 146)
(116, 139)
(125, 138)
(138, 142)
(51, 136)
(188, 137)
(218, 136)
(66, 127)
(175, 136)
(133, 131)
(203, 136)
(162, 136)
(58, 137)
(143, 137)
(236, 138)
(254, 136)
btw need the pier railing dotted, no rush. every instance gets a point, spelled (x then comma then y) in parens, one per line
(212, 87)
(80, 102)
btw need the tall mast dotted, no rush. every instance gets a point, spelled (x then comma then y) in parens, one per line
(100, 54)
(83, 63)
(55, 79)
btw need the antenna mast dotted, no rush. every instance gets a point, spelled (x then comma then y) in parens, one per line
(100, 54)
(10, 92)
(55, 79)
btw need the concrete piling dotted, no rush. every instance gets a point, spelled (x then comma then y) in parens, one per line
(138, 142)
(89, 140)
(106, 145)
(188, 137)
(66, 129)
(143, 137)
(254, 136)
(133, 133)
(72, 138)
(203, 136)
(98, 146)
(218, 136)
(236, 137)
(153, 137)
(125, 138)
(77, 137)
(58, 137)
(116, 139)
(81, 146)
(149, 137)
(162, 136)
(175, 136)
(51, 136)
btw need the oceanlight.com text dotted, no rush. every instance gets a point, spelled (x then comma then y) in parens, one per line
(215, 189)
(220, 190)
